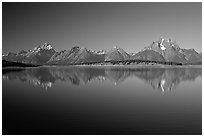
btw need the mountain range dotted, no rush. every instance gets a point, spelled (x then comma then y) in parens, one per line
(162, 50)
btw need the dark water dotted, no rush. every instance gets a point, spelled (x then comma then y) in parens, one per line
(91, 100)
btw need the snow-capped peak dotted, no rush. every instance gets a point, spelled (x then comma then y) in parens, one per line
(101, 52)
(49, 47)
(46, 46)
(161, 44)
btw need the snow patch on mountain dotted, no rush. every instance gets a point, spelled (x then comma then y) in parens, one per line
(49, 47)
(161, 45)
(46, 46)
(99, 52)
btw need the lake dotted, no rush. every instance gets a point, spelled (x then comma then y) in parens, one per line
(102, 100)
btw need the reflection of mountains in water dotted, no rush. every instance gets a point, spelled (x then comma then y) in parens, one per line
(164, 79)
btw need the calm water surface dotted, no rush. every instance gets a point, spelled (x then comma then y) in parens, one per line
(102, 100)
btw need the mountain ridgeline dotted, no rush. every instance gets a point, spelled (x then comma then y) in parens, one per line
(163, 51)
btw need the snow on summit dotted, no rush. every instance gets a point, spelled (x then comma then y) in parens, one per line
(161, 45)
(46, 46)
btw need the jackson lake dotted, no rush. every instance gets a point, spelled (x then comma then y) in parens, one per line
(102, 100)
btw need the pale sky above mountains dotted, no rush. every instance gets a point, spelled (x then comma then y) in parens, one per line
(130, 26)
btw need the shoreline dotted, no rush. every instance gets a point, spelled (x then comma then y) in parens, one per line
(106, 66)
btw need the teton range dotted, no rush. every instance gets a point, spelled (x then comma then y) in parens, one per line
(163, 50)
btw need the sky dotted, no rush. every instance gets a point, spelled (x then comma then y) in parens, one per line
(131, 26)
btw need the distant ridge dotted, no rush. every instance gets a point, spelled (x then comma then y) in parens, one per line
(162, 50)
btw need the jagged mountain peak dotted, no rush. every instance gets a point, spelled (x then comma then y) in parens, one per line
(116, 53)
(173, 43)
(163, 44)
(171, 51)
(47, 46)
(116, 48)
(38, 55)
(75, 48)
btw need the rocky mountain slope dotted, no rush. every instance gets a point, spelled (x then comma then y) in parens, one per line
(116, 53)
(38, 55)
(76, 55)
(170, 51)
